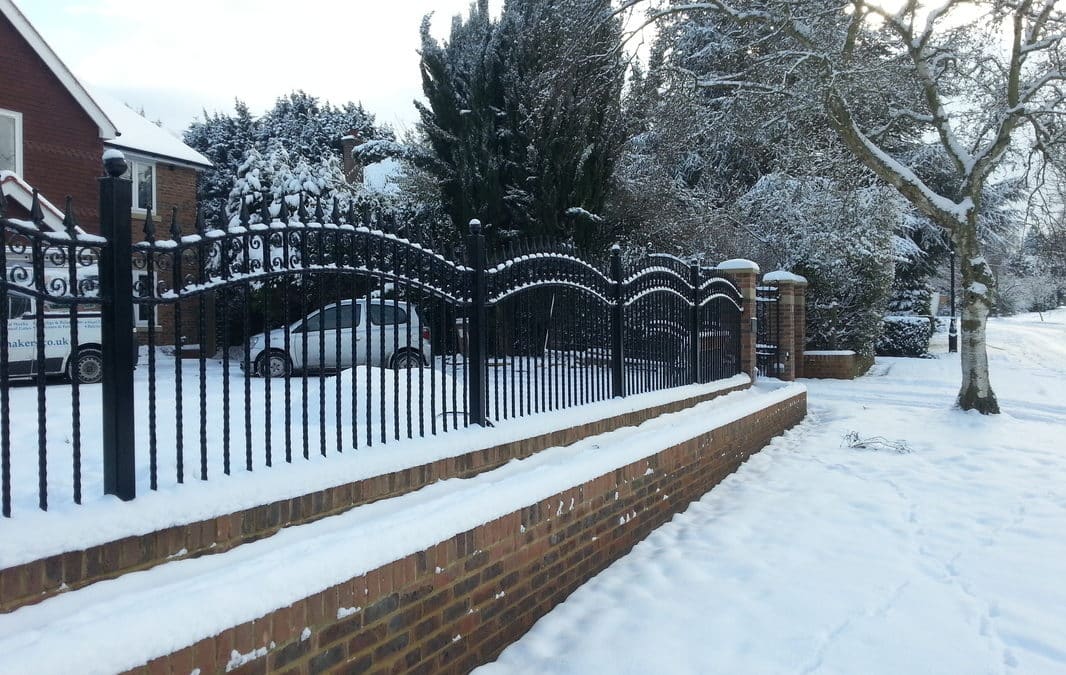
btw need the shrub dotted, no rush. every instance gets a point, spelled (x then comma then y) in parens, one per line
(839, 238)
(905, 336)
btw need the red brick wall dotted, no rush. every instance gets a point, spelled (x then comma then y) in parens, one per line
(494, 581)
(836, 366)
(60, 142)
(34, 581)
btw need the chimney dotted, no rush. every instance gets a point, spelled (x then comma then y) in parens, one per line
(353, 169)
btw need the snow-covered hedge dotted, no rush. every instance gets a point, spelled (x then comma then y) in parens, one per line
(905, 336)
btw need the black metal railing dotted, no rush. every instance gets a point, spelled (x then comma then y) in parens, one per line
(304, 331)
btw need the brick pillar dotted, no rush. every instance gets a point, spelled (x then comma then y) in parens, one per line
(353, 170)
(786, 322)
(792, 331)
(799, 344)
(746, 274)
(786, 326)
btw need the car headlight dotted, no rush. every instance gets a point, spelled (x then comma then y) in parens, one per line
(254, 341)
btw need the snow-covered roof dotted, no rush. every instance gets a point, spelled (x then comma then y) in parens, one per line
(784, 275)
(59, 69)
(138, 135)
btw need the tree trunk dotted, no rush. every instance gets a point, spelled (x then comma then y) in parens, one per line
(978, 289)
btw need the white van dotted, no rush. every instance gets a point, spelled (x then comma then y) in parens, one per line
(85, 363)
(394, 339)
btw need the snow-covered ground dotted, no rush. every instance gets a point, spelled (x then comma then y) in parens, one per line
(160, 610)
(816, 557)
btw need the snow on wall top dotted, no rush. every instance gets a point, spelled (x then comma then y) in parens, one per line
(784, 275)
(139, 135)
(739, 265)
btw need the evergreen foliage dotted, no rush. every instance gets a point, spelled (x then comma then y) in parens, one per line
(305, 128)
(841, 240)
(523, 117)
(905, 336)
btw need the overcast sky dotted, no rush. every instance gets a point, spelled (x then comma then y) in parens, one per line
(175, 58)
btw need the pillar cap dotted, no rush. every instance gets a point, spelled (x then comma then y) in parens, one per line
(784, 276)
(738, 265)
(114, 163)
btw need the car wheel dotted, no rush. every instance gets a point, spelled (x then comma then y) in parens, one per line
(276, 364)
(406, 360)
(87, 367)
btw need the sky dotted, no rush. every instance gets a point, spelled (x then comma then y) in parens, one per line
(174, 59)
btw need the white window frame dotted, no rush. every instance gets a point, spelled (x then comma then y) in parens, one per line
(17, 116)
(133, 163)
(138, 322)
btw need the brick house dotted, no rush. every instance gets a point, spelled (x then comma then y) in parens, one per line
(53, 133)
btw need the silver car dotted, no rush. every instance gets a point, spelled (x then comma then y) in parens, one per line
(393, 339)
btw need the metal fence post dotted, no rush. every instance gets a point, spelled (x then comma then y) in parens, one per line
(694, 330)
(617, 342)
(476, 352)
(116, 288)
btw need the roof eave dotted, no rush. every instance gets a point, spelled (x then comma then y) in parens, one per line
(137, 152)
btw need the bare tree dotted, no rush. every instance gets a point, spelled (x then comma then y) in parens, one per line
(982, 80)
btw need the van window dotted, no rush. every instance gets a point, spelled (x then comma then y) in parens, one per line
(387, 315)
(327, 319)
(17, 305)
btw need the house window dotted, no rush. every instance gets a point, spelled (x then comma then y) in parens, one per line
(143, 314)
(10, 141)
(143, 176)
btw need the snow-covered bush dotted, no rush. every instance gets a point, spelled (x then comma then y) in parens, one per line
(905, 336)
(307, 128)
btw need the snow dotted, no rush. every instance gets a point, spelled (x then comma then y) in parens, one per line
(165, 608)
(381, 176)
(829, 352)
(583, 214)
(345, 612)
(783, 275)
(819, 557)
(738, 265)
(112, 153)
(906, 319)
(139, 135)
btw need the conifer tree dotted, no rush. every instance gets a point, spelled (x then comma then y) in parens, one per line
(523, 117)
